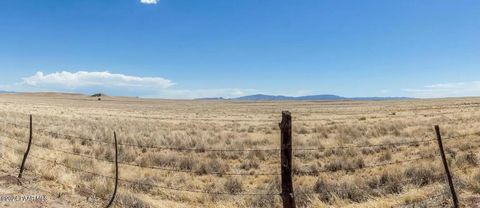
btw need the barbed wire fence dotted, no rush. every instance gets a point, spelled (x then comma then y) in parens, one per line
(286, 151)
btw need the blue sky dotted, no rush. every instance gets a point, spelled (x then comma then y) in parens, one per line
(210, 48)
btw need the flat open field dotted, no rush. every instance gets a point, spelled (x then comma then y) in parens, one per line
(226, 153)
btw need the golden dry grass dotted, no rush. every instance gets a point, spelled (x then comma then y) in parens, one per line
(204, 125)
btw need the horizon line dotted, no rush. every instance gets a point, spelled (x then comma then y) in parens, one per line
(237, 98)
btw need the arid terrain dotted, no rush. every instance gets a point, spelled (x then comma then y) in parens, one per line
(222, 153)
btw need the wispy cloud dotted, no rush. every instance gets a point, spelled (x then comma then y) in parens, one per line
(453, 89)
(203, 93)
(149, 1)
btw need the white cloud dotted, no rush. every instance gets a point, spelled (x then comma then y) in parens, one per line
(454, 89)
(81, 79)
(149, 1)
(88, 82)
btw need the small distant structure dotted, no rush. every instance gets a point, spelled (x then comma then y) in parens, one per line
(98, 95)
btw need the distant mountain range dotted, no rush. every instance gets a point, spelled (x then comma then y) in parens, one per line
(5, 92)
(262, 97)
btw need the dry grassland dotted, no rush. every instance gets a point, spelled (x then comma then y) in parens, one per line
(379, 175)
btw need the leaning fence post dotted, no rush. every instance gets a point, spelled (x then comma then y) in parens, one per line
(28, 150)
(445, 164)
(288, 197)
(116, 171)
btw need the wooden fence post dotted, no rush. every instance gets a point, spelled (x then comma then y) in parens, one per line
(28, 150)
(288, 196)
(116, 171)
(445, 164)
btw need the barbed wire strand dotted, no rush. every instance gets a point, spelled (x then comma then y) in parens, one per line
(65, 136)
(237, 174)
(427, 198)
(365, 146)
(315, 173)
(21, 184)
(140, 183)
(149, 167)
(59, 136)
(38, 188)
(228, 174)
(411, 181)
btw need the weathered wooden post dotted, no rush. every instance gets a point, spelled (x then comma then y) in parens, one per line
(116, 171)
(28, 150)
(288, 196)
(445, 164)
